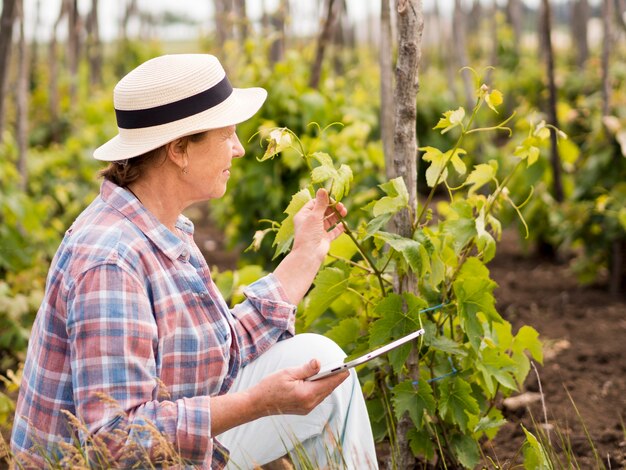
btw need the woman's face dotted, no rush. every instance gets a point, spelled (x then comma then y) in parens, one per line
(209, 164)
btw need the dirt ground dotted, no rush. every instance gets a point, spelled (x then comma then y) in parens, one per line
(584, 334)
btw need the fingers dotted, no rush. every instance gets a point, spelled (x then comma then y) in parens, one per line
(335, 232)
(341, 209)
(321, 201)
(309, 205)
(325, 386)
(307, 370)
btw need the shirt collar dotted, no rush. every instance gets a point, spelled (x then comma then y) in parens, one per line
(129, 206)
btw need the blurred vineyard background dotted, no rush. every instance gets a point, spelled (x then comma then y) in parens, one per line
(560, 61)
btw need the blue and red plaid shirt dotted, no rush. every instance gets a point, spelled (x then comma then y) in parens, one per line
(131, 313)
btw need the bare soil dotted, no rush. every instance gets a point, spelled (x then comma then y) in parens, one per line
(584, 334)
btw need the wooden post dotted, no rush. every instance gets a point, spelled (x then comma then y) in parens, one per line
(34, 47)
(459, 36)
(580, 18)
(53, 89)
(6, 38)
(94, 46)
(242, 19)
(493, 55)
(555, 160)
(410, 17)
(386, 87)
(223, 30)
(607, 16)
(21, 125)
(73, 45)
(322, 42)
(277, 21)
(514, 13)
(617, 252)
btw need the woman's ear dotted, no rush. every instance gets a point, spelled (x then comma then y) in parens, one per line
(177, 153)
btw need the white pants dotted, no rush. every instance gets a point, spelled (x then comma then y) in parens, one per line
(341, 420)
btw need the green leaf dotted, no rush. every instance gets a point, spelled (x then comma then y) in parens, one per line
(522, 367)
(494, 99)
(450, 120)
(445, 344)
(541, 131)
(398, 316)
(484, 241)
(341, 183)
(411, 250)
(533, 155)
(397, 197)
(330, 283)
(394, 323)
(457, 163)
(466, 450)
(278, 140)
(495, 364)
(474, 292)
(529, 148)
(376, 224)
(481, 175)
(416, 400)
(460, 224)
(347, 331)
(503, 335)
(343, 247)
(535, 456)
(437, 165)
(490, 424)
(439, 162)
(456, 402)
(476, 289)
(528, 338)
(340, 178)
(284, 236)
(421, 443)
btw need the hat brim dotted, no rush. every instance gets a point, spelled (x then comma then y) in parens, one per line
(240, 106)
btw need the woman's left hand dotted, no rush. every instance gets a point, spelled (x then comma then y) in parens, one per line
(317, 224)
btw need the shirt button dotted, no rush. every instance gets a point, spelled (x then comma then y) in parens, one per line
(185, 254)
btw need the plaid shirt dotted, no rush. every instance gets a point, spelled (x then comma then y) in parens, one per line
(131, 313)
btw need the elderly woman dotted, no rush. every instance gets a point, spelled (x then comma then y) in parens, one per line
(133, 334)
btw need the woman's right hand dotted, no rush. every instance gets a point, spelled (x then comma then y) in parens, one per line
(286, 391)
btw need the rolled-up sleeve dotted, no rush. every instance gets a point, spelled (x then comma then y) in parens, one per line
(114, 339)
(263, 318)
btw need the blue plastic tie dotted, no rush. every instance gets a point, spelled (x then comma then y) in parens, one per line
(435, 379)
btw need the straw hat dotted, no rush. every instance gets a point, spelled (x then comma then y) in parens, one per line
(172, 96)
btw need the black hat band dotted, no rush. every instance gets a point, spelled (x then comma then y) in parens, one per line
(170, 112)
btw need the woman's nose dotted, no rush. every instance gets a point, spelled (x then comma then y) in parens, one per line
(238, 150)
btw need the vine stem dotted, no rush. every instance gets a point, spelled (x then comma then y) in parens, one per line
(456, 146)
(352, 263)
(376, 271)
